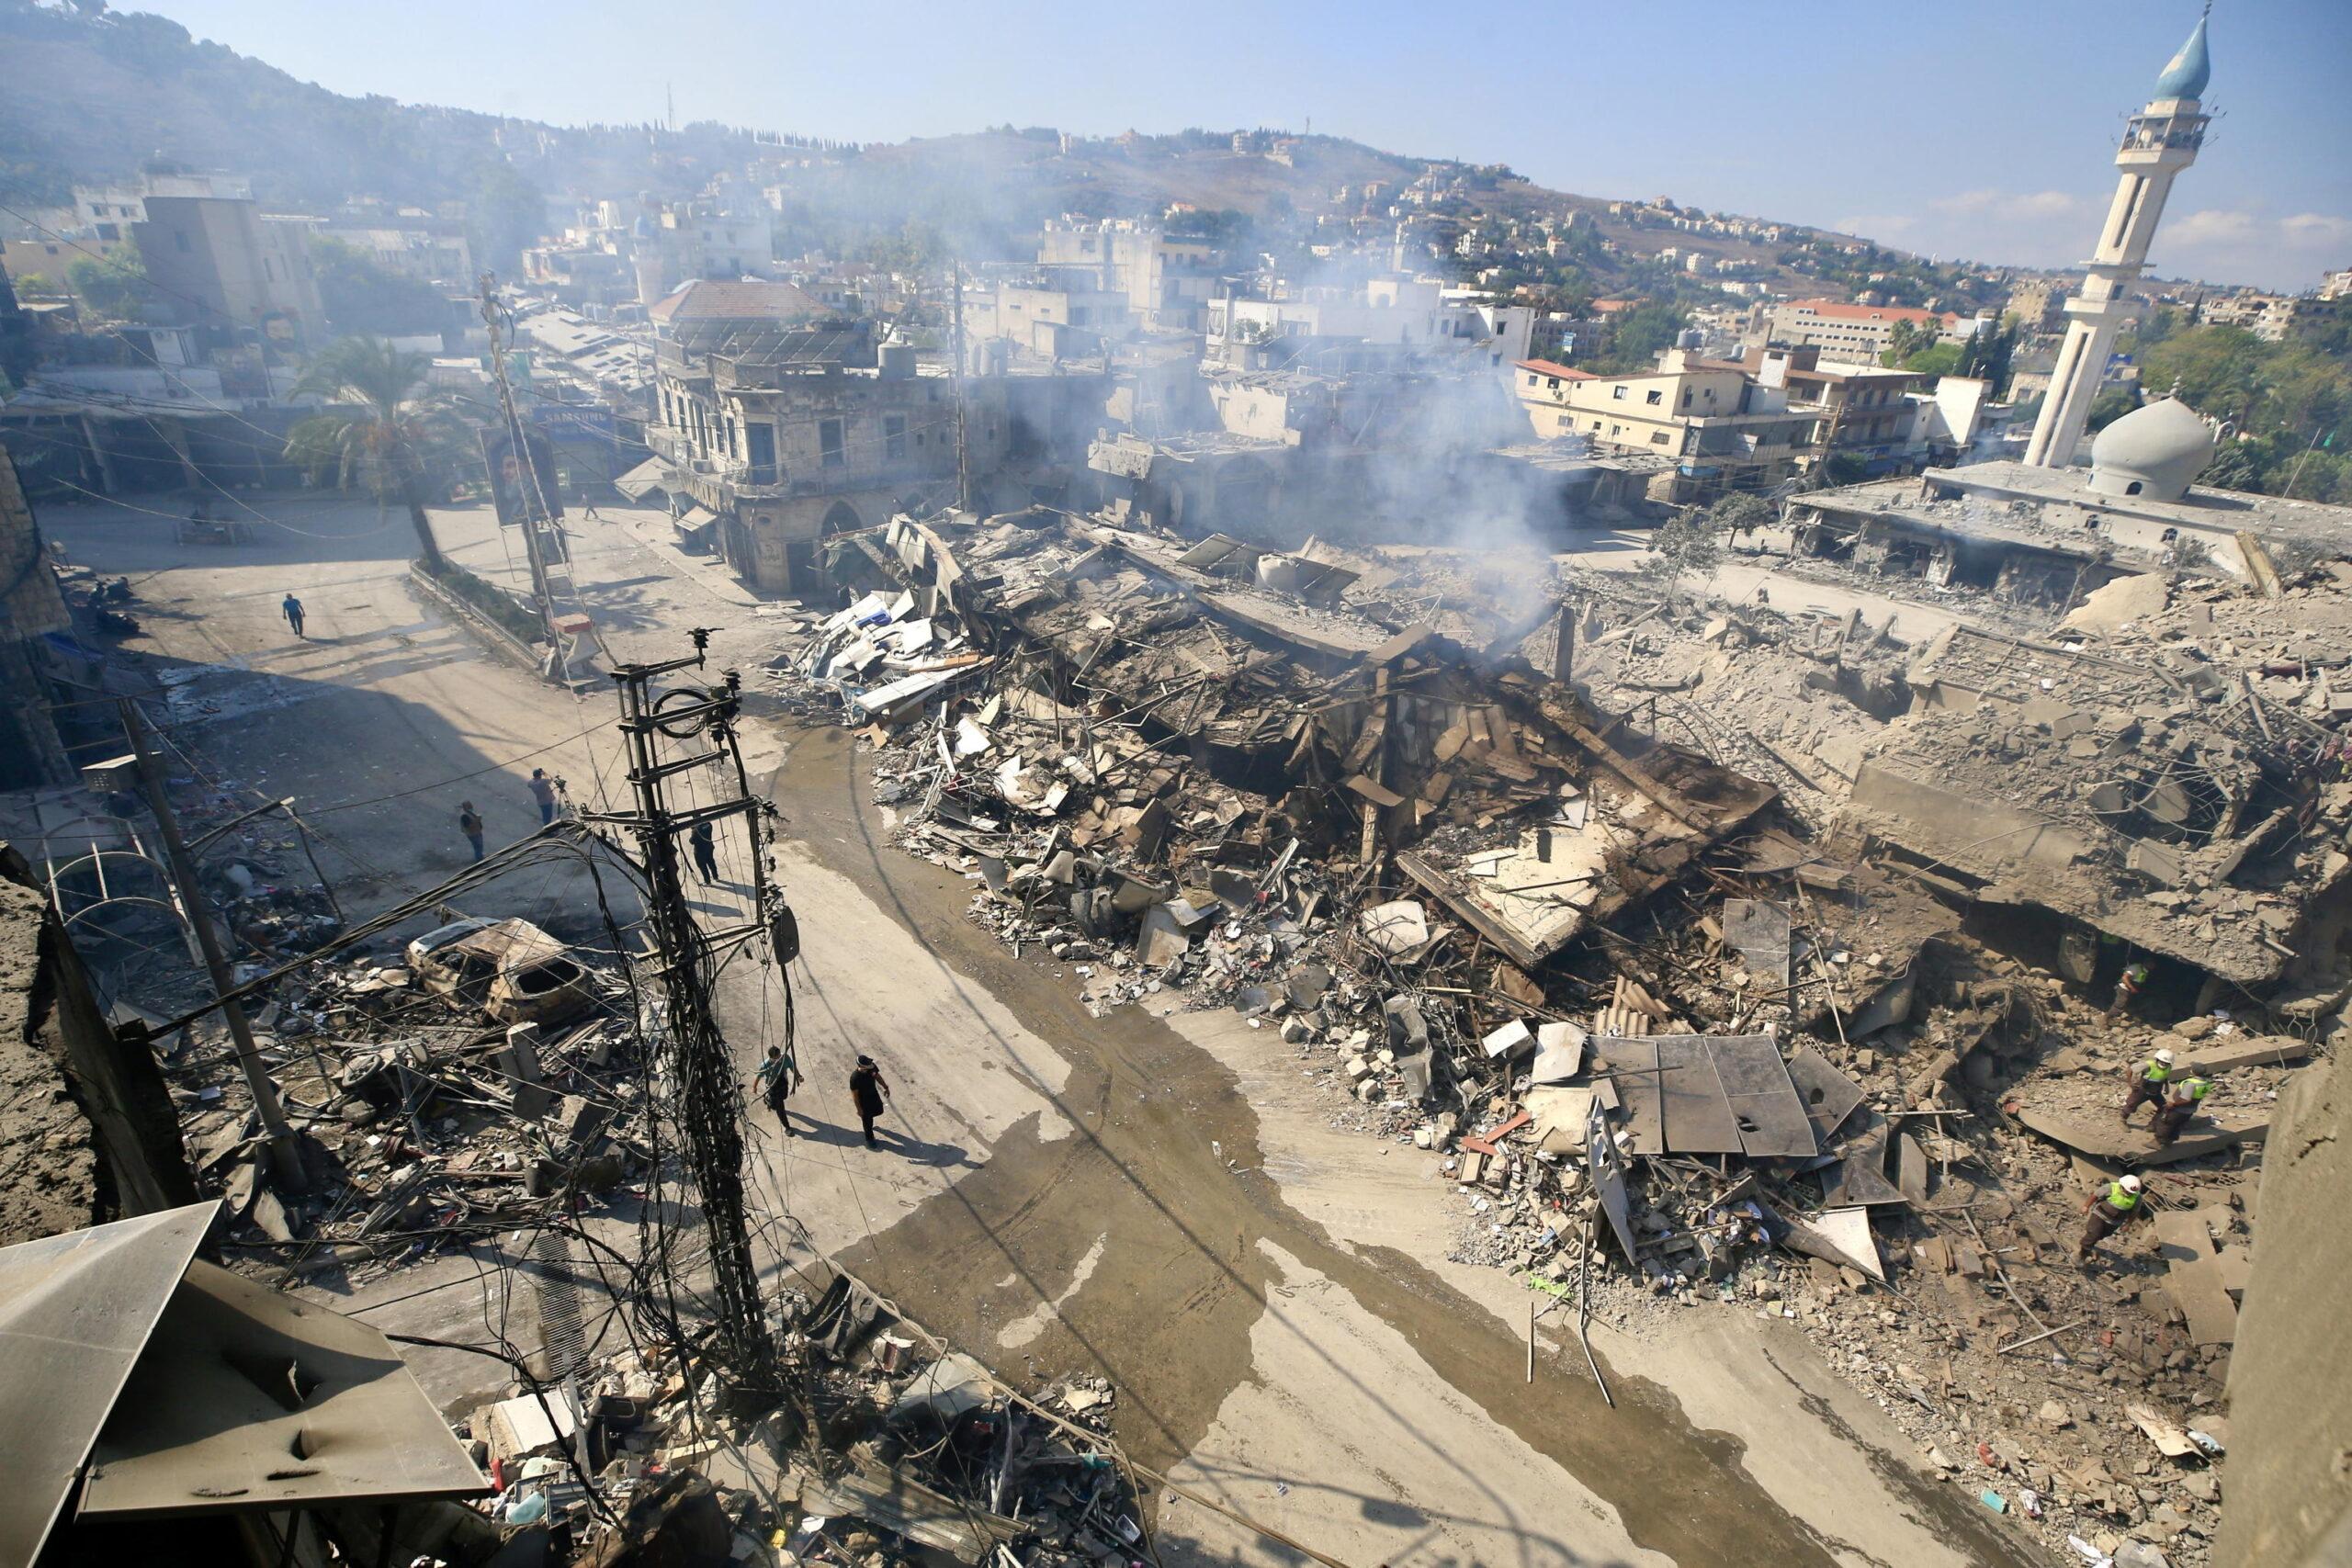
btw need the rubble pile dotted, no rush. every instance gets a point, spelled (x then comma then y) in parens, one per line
(1664, 1052)
(1178, 781)
(887, 1449)
(485, 1081)
(1788, 698)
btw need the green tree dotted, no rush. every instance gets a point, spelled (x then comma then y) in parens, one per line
(2109, 407)
(379, 428)
(1936, 359)
(115, 285)
(1903, 340)
(1738, 512)
(1640, 334)
(1838, 469)
(1990, 354)
(361, 296)
(37, 284)
(506, 213)
(1688, 542)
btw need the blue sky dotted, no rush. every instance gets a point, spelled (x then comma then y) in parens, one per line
(1981, 129)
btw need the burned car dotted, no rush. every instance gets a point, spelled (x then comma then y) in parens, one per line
(511, 969)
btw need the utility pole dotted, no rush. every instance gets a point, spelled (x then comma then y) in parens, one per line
(526, 492)
(285, 1149)
(956, 370)
(708, 1106)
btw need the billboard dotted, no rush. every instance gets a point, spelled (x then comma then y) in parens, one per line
(572, 421)
(510, 489)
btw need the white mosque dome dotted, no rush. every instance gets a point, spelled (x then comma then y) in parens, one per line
(2153, 451)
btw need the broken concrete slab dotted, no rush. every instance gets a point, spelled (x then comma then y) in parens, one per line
(1397, 929)
(1161, 940)
(2193, 1278)
(1838, 1235)
(1758, 932)
(1559, 1053)
(2261, 1051)
(1511, 1040)
(2134, 1145)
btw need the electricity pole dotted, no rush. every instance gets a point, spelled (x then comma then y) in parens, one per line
(285, 1149)
(955, 371)
(708, 1107)
(526, 490)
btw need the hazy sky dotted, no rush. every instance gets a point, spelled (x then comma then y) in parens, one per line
(1983, 129)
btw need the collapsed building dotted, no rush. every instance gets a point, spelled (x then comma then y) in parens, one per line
(1799, 1009)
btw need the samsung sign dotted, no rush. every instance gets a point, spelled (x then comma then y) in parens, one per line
(561, 422)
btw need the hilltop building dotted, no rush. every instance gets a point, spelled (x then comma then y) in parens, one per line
(1853, 333)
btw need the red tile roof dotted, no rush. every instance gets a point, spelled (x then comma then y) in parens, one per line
(1560, 372)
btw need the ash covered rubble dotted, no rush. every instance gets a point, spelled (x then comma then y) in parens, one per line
(888, 1447)
(1731, 1023)
(475, 1078)
(488, 1077)
(428, 1108)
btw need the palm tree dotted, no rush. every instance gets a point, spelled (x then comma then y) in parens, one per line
(377, 426)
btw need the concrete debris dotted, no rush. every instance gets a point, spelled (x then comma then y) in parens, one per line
(893, 1450)
(1798, 957)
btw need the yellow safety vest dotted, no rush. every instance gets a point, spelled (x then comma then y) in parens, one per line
(2197, 1089)
(2119, 1201)
(2155, 1072)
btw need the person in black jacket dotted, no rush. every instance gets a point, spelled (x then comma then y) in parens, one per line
(869, 1091)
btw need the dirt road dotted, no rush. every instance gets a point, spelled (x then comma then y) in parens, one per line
(1160, 1201)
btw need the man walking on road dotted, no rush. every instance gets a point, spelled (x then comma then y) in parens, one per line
(778, 1077)
(292, 608)
(869, 1092)
(705, 851)
(543, 792)
(470, 824)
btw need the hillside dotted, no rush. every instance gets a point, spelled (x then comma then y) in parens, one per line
(96, 95)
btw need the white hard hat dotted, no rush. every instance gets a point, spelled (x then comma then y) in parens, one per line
(2166, 1057)
(2130, 1184)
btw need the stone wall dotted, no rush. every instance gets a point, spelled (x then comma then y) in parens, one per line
(88, 1130)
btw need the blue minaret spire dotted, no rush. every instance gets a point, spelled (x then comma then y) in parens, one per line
(2186, 72)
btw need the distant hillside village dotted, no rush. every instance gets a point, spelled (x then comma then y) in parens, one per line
(785, 341)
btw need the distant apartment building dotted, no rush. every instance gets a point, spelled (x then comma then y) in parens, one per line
(1375, 326)
(2273, 317)
(2336, 285)
(106, 212)
(1858, 334)
(686, 241)
(1062, 312)
(428, 250)
(1747, 423)
(2039, 304)
(1168, 279)
(233, 269)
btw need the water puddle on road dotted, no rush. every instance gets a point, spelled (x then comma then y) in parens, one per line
(1142, 1201)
